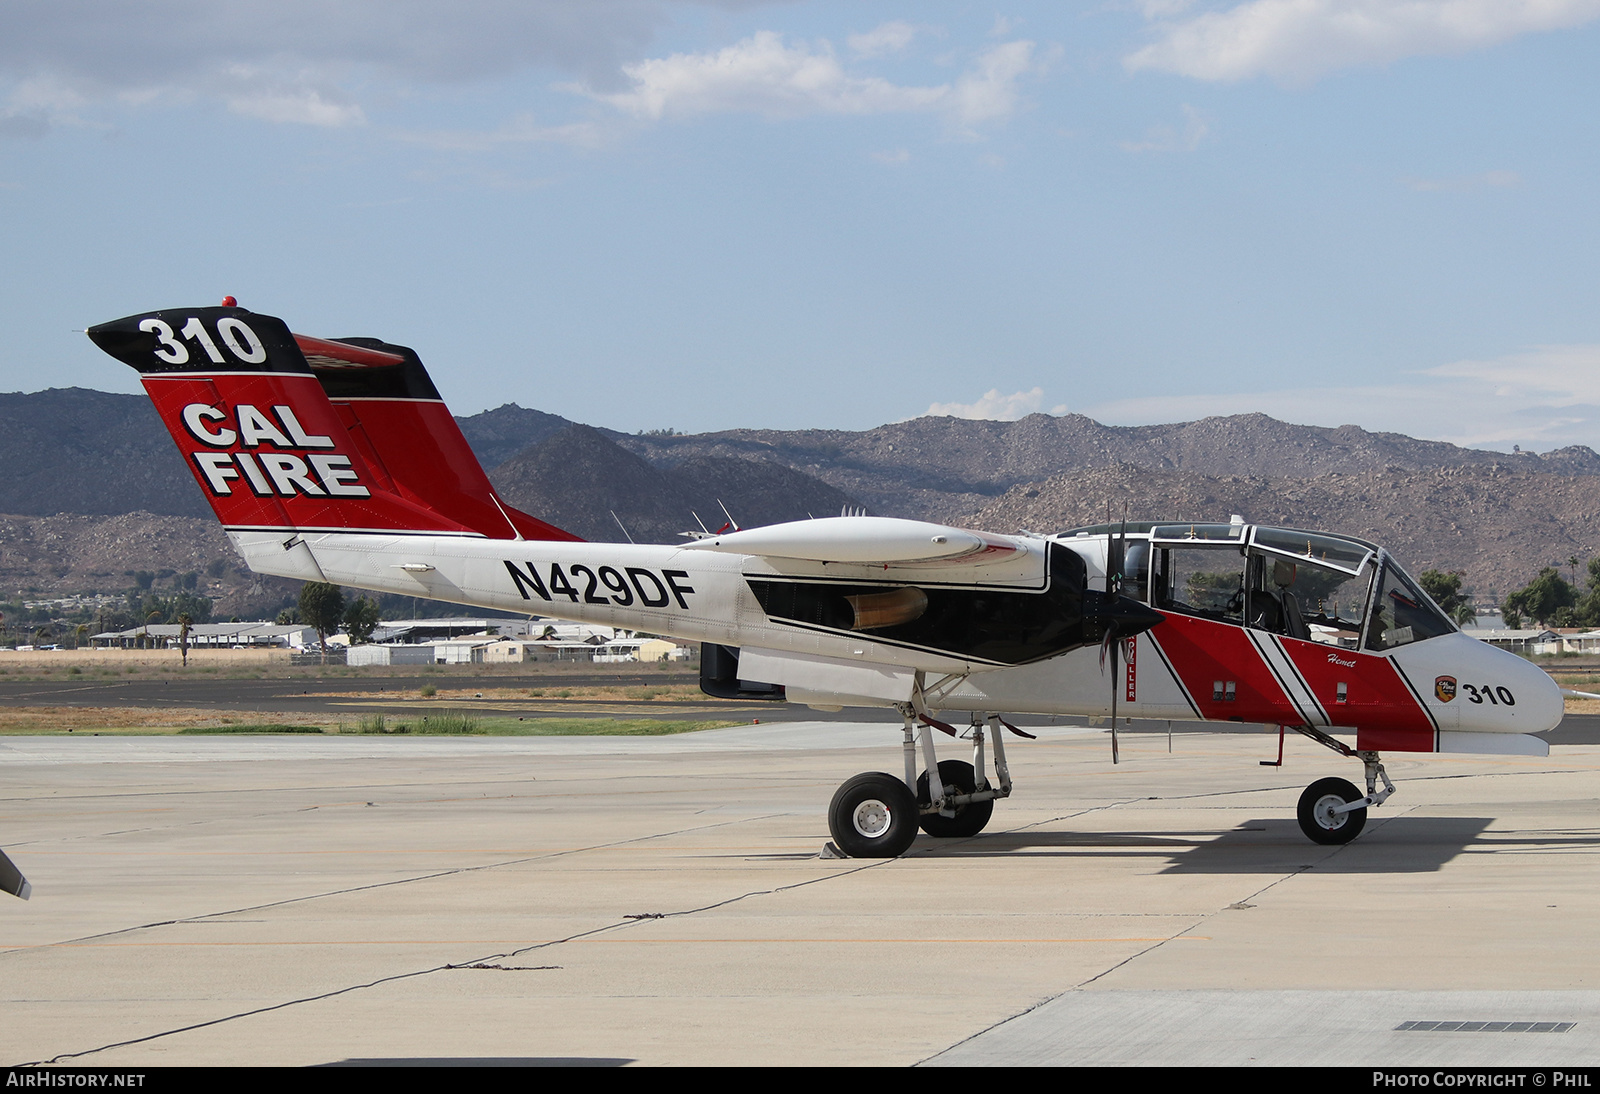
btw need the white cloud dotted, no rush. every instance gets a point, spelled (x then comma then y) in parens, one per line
(1167, 138)
(297, 61)
(888, 38)
(306, 106)
(989, 89)
(996, 407)
(1543, 398)
(1296, 41)
(763, 74)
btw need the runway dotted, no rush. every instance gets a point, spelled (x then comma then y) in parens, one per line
(319, 900)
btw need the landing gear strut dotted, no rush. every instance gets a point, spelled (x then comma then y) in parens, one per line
(875, 815)
(1333, 811)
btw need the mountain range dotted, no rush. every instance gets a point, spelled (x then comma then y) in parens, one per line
(94, 489)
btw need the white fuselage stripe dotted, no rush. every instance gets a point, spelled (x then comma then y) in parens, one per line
(1288, 677)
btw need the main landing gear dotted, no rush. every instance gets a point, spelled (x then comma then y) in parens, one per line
(1333, 811)
(876, 815)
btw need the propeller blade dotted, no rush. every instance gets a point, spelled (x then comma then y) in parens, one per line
(1116, 660)
(11, 879)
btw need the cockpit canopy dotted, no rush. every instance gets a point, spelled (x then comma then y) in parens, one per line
(1310, 585)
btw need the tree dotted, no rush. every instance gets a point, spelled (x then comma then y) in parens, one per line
(1587, 610)
(322, 607)
(1542, 597)
(1445, 588)
(361, 619)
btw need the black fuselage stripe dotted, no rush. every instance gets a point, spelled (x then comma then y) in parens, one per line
(1305, 685)
(1420, 702)
(1182, 687)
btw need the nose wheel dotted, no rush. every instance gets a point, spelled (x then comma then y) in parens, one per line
(1322, 815)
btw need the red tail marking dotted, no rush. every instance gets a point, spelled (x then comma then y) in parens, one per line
(268, 450)
(422, 451)
(321, 353)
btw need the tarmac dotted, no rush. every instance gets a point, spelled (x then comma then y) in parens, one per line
(306, 900)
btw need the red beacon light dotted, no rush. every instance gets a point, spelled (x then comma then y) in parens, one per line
(229, 302)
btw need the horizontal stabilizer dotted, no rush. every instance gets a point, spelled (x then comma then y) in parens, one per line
(11, 879)
(857, 539)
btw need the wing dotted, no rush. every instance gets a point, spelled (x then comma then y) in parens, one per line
(862, 540)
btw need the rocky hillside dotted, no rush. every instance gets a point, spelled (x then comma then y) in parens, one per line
(71, 450)
(578, 478)
(943, 468)
(1496, 523)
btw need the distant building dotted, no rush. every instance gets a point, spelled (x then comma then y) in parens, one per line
(258, 635)
(1525, 640)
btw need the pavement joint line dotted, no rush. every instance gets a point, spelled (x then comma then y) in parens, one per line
(1081, 985)
(452, 966)
(316, 998)
(384, 884)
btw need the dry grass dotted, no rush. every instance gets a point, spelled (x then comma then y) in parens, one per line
(29, 720)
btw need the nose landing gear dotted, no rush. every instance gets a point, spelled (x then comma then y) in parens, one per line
(1333, 811)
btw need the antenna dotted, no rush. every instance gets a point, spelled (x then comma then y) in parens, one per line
(618, 519)
(731, 522)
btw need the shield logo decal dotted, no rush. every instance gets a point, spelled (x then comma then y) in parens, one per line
(1445, 688)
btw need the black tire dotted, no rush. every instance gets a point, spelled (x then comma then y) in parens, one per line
(873, 815)
(970, 819)
(1321, 827)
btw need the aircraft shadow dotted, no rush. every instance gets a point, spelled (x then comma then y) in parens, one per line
(1276, 845)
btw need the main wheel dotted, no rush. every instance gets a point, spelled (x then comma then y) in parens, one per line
(873, 815)
(970, 818)
(1318, 820)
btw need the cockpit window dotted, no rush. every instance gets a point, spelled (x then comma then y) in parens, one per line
(1307, 600)
(1337, 552)
(1261, 590)
(1402, 614)
(1201, 580)
(1189, 533)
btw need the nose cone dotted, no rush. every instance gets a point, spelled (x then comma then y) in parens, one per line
(1117, 616)
(1544, 702)
(1474, 687)
(1500, 692)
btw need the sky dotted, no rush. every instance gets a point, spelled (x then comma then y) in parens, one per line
(650, 214)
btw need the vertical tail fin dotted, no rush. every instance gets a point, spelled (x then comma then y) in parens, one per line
(288, 432)
(389, 406)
